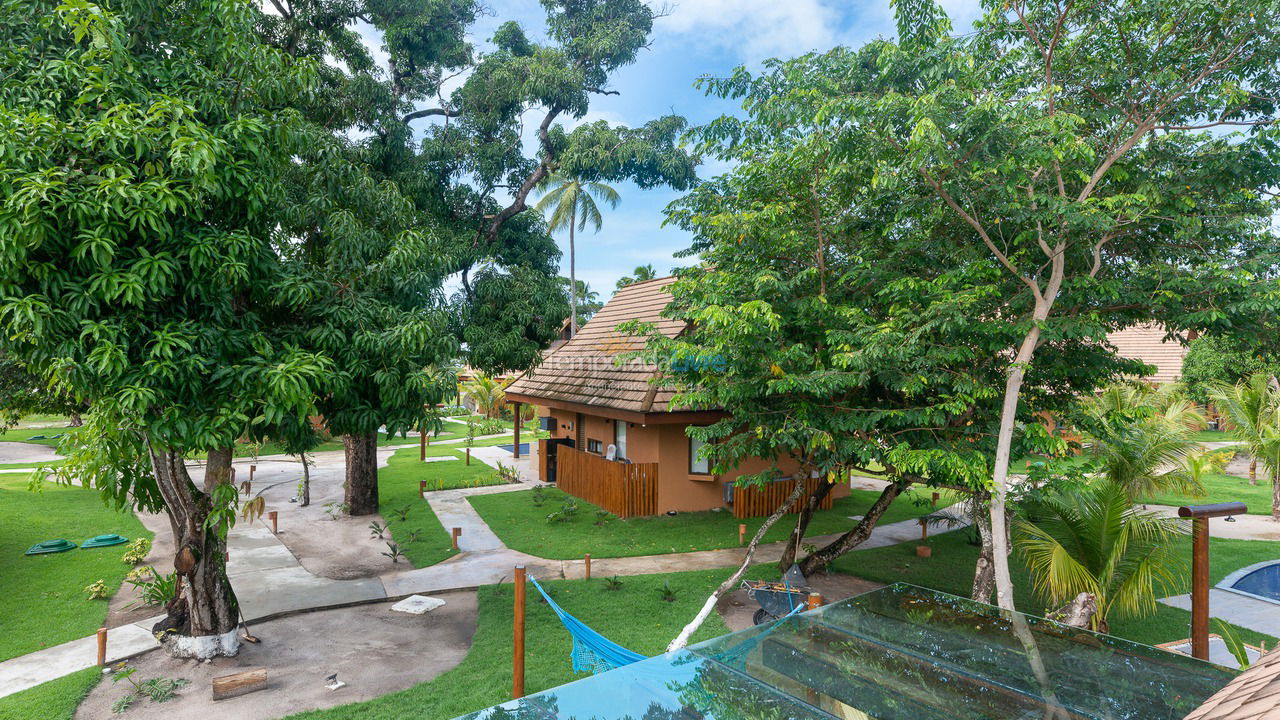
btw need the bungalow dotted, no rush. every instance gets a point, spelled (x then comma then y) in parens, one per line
(616, 439)
(1148, 344)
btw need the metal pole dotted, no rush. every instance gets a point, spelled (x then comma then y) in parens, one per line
(1200, 588)
(517, 645)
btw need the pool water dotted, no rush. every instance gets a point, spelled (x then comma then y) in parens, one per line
(1263, 582)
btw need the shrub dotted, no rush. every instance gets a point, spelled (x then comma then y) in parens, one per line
(96, 590)
(136, 551)
(156, 589)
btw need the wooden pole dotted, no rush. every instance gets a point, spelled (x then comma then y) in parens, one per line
(517, 645)
(252, 470)
(456, 532)
(813, 601)
(422, 444)
(468, 456)
(102, 647)
(742, 533)
(924, 529)
(936, 498)
(516, 425)
(1200, 588)
(422, 488)
(588, 566)
(275, 521)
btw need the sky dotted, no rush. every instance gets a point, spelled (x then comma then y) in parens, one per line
(694, 38)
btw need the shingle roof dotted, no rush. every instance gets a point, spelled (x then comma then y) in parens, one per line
(1147, 343)
(1253, 695)
(584, 370)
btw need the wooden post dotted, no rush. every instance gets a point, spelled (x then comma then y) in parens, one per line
(233, 474)
(456, 532)
(587, 566)
(742, 533)
(422, 444)
(516, 426)
(1200, 588)
(102, 647)
(517, 645)
(422, 488)
(924, 529)
(468, 456)
(252, 470)
(936, 498)
(813, 601)
(275, 521)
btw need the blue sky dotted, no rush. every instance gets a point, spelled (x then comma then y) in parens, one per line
(695, 38)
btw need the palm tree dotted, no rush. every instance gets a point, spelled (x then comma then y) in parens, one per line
(642, 273)
(572, 201)
(1141, 446)
(1095, 541)
(1248, 407)
(487, 393)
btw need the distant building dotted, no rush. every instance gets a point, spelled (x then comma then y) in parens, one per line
(1148, 344)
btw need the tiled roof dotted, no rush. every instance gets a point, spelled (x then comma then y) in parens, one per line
(1253, 695)
(585, 370)
(1147, 343)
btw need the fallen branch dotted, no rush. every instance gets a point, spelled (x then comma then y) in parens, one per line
(682, 639)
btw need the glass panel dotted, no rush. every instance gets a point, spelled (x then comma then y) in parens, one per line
(620, 438)
(697, 465)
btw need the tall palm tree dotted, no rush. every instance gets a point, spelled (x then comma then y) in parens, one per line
(572, 202)
(1142, 439)
(1095, 541)
(1248, 407)
(642, 273)
(487, 394)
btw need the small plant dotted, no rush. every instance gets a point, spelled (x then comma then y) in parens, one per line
(96, 590)
(612, 583)
(157, 690)
(667, 593)
(1233, 642)
(809, 548)
(413, 536)
(402, 514)
(376, 530)
(136, 551)
(538, 496)
(508, 474)
(394, 552)
(155, 589)
(602, 516)
(565, 513)
(336, 510)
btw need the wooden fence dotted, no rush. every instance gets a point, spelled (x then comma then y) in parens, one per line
(759, 501)
(626, 490)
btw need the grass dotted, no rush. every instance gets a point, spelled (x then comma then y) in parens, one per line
(634, 616)
(247, 449)
(54, 700)
(46, 596)
(951, 570)
(523, 526)
(1212, 436)
(31, 435)
(1226, 488)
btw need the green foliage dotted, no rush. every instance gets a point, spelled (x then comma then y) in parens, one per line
(1215, 360)
(377, 530)
(486, 393)
(565, 513)
(642, 273)
(53, 700)
(394, 552)
(667, 593)
(136, 551)
(1140, 447)
(155, 589)
(97, 590)
(1233, 642)
(157, 690)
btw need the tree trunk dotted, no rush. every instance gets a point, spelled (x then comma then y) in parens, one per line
(75, 420)
(984, 574)
(1253, 470)
(854, 537)
(573, 280)
(202, 622)
(305, 498)
(361, 485)
(1275, 497)
(792, 551)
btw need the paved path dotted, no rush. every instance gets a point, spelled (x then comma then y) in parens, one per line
(1236, 609)
(1242, 527)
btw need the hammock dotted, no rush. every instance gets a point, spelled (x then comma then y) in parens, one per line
(591, 651)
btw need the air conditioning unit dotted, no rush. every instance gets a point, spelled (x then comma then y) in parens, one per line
(547, 423)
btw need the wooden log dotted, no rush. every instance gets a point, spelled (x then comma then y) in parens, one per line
(241, 683)
(517, 645)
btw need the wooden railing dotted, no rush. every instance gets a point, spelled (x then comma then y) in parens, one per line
(759, 501)
(626, 490)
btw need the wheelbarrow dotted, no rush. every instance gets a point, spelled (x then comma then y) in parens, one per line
(777, 599)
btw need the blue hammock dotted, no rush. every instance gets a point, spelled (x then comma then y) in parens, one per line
(592, 651)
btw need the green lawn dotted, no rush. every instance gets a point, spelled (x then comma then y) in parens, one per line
(54, 700)
(951, 570)
(635, 617)
(245, 449)
(39, 436)
(1225, 488)
(1212, 436)
(523, 526)
(45, 602)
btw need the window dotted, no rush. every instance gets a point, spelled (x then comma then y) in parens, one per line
(594, 446)
(620, 438)
(697, 465)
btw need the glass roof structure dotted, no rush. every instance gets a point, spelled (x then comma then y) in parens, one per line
(899, 653)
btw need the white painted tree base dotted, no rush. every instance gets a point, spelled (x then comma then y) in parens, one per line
(203, 647)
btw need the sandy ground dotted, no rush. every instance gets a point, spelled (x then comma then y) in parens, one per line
(373, 649)
(160, 557)
(339, 549)
(23, 452)
(737, 609)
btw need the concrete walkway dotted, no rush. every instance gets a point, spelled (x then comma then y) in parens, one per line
(1242, 527)
(1236, 609)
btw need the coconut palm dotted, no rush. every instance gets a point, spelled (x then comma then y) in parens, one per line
(487, 394)
(1248, 407)
(642, 273)
(1201, 463)
(1095, 541)
(572, 202)
(1141, 447)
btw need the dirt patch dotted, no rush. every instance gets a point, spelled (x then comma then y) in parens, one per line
(339, 549)
(737, 609)
(373, 649)
(24, 452)
(160, 557)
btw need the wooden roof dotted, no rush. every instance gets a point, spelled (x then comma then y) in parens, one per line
(1253, 695)
(1147, 343)
(588, 369)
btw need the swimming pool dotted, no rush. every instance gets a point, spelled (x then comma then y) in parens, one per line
(1260, 580)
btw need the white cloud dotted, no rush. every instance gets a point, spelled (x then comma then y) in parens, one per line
(755, 29)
